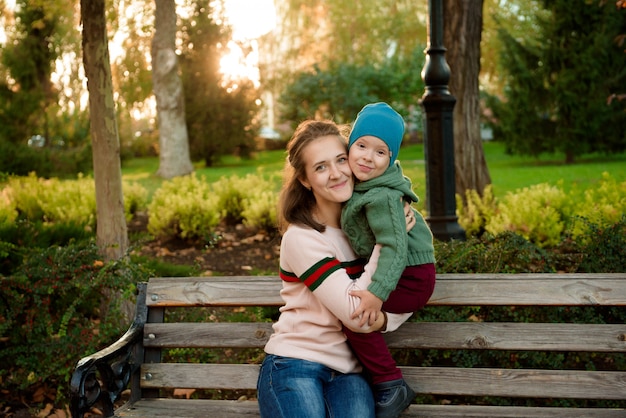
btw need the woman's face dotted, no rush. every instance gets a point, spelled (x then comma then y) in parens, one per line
(328, 173)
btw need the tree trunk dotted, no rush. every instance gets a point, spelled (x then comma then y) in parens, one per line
(174, 157)
(463, 23)
(111, 233)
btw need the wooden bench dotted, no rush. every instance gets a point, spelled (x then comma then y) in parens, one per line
(135, 361)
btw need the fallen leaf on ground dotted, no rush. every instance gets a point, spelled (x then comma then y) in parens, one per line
(46, 411)
(184, 392)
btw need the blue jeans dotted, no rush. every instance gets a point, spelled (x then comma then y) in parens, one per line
(294, 388)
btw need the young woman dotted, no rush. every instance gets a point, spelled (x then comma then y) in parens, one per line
(309, 369)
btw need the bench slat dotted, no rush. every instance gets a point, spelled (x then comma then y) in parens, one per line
(499, 289)
(553, 290)
(189, 408)
(209, 335)
(477, 411)
(195, 408)
(425, 335)
(517, 382)
(211, 291)
(510, 336)
(199, 376)
(435, 380)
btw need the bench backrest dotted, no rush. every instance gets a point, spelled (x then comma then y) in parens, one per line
(452, 290)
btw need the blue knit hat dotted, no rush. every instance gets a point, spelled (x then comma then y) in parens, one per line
(381, 121)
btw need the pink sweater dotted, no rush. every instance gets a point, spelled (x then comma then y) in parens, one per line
(315, 291)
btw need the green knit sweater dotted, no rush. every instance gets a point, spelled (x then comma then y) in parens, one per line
(375, 214)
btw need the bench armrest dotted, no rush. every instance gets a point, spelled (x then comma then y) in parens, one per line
(114, 364)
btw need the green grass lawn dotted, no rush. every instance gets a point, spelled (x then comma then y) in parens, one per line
(508, 173)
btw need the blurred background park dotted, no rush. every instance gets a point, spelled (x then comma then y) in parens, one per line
(198, 101)
(547, 75)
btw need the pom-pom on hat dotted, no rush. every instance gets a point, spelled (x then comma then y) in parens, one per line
(381, 121)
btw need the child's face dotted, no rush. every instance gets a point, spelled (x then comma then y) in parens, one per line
(369, 157)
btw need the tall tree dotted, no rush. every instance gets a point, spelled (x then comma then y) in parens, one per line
(220, 113)
(353, 31)
(462, 35)
(320, 38)
(29, 58)
(322, 93)
(558, 82)
(516, 17)
(174, 157)
(111, 233)
(132, 26)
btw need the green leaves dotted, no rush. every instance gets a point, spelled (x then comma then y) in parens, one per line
(339, 91)
(557, 79)
(50, 311)
(543, 214)
(190, 207)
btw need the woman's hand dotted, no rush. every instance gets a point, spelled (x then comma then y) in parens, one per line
(369, 309)
(409, 216)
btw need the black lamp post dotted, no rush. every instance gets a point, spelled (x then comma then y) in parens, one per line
(438, 106)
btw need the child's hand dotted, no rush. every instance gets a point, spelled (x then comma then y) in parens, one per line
(369, 309)
(409, 216)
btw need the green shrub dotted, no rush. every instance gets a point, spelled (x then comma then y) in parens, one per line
(597, 207)
(49, 313)
(66, 162)
(251, 200)
(19, 160)
(23, 192)
(604, 248)
(544, 214)
(135, 199)
(22, 236)
(69, 201)
(65, 201)
(260, 210)
(475, 212)
(507, 252)
(230, 192)
(537, 213)
(190, 208)
(183, 207)
(8, 211)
